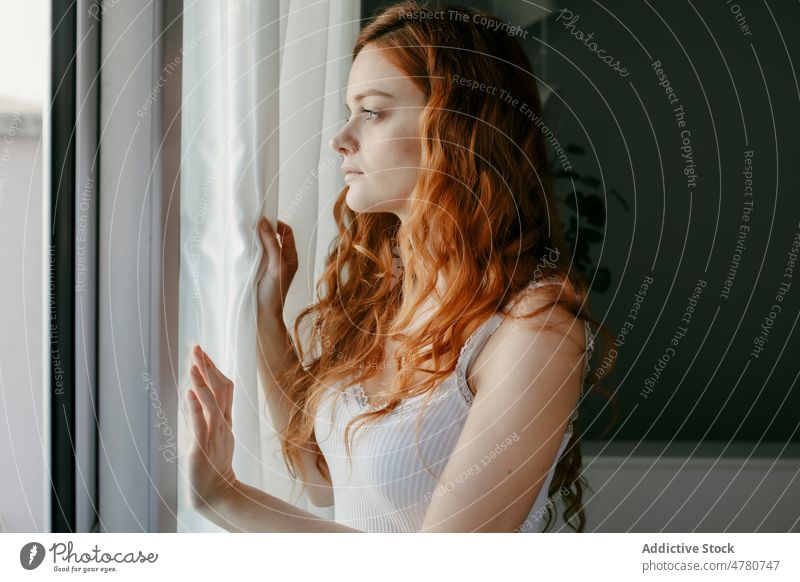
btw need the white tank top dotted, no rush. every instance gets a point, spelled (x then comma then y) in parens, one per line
(384, 486)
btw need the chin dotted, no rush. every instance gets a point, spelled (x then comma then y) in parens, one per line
(356, 200)
(361, 198)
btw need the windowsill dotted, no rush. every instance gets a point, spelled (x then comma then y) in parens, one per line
(683, 449)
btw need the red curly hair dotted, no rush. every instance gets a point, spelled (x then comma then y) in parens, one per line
(483, 220)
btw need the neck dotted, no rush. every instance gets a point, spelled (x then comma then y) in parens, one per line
(428, 307)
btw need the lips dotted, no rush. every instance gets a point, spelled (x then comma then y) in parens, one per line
(350, 176)
(351, 173)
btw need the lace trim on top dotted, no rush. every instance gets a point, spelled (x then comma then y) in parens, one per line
(355, 392)
(358, 395)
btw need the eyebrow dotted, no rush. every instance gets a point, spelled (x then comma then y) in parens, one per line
(368, 92)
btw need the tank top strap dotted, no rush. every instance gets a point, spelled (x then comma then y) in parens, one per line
(481, 335)
(471, 348)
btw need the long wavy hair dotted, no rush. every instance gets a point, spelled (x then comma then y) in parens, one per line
(482, 221)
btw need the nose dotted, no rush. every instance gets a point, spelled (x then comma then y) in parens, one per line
(343, 142)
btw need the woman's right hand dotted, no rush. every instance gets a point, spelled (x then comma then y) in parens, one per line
(210, 400)
(277, 269)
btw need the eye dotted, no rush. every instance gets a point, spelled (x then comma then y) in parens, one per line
(367, 111)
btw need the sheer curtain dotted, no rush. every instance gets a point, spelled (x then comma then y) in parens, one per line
(262, 94)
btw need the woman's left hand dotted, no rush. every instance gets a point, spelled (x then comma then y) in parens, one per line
(209, 401)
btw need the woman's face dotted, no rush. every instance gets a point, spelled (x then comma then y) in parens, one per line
(382, 143)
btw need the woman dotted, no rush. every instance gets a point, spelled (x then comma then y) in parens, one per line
(450, 346)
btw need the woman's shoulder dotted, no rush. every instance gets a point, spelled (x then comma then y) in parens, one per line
(536, 293)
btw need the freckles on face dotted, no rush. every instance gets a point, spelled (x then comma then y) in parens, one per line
(381, 138)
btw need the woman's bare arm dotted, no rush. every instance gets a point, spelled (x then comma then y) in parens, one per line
(214, 491)
(275, 354)
(247, 509)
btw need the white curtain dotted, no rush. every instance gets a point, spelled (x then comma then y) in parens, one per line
(263, 86)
